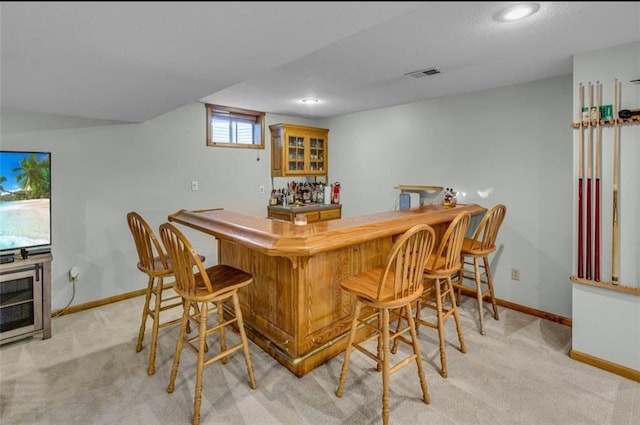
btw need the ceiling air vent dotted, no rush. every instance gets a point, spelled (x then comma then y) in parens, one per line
(424, 73)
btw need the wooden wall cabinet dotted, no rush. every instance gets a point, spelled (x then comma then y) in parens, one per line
(298, 150)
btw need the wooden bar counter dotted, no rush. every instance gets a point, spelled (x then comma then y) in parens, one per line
(295, 309)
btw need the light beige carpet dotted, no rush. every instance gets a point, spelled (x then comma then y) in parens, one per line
(518, 373)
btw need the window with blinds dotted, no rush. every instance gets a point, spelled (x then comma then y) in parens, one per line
(234, 127)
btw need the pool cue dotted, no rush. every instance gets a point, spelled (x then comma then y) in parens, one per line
(596, 255)
(616, 171)
(589, 206)
(580, 183)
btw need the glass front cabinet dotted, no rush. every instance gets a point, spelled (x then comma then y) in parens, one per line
(298, 150)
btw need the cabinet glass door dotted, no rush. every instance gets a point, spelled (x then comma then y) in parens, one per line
(296, 153)
(316, 154)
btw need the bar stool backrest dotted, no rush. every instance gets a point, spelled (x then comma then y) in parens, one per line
(484, 238)
(184, 258)
(446, 259)
(405, 263)
(151, 257)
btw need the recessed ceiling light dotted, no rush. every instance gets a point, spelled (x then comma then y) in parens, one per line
(310, 100)
(517, 12)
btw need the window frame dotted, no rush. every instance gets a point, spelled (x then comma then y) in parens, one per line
(221, 111)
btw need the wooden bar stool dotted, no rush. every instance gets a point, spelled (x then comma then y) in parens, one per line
(441, 266)
(215, 284)
(391, 288)
(479, 247)
(153, 261)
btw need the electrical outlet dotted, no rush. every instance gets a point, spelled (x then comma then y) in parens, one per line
(74, 272)
(194, 185)
(515, 274)
(261, 189)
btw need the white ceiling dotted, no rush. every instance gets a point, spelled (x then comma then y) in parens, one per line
(132, 61)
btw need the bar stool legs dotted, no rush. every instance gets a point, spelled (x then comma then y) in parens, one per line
(384, 337)
(145, 313)
(479, 281)
(348, 350)
(157, 292)
(441, 314)
(203, 332)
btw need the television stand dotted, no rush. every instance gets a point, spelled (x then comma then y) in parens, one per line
(25, 298)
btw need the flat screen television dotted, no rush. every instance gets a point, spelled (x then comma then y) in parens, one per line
(25, 202)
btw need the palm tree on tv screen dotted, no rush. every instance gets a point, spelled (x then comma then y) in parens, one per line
(33, 177)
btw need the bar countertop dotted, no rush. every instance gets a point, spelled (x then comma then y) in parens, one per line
(282, 238)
